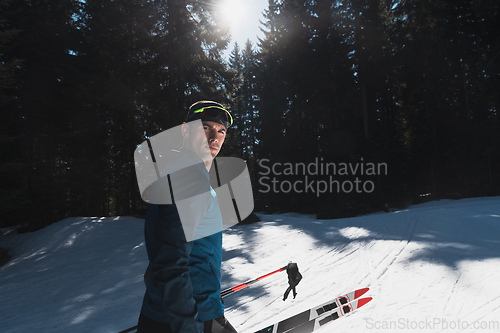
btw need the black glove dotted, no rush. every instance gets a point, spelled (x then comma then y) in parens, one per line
(219, 325)
(294, 278)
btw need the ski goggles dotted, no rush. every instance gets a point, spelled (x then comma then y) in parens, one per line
(214, 113)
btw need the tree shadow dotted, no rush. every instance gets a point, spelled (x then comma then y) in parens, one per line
(447, 232)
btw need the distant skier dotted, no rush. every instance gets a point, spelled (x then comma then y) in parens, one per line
(183, 277)
(294, 278)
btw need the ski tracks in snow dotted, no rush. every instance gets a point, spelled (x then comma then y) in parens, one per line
(378, 267)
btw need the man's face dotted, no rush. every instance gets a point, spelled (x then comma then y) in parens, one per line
(216, 134)
(205, 142)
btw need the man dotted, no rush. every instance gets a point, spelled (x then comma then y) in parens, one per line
(184, 239)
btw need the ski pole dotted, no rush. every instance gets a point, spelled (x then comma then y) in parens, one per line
(229, 291)
(234, 289)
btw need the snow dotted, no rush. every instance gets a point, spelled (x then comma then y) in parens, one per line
(433, 267)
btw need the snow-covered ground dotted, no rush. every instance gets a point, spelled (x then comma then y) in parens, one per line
(432, 267)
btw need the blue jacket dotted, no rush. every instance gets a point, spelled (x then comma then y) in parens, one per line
(183, 278)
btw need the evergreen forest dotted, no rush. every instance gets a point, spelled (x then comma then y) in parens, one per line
(413, 85)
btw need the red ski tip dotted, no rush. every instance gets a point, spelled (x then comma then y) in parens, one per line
(363, 301)
(358, 293)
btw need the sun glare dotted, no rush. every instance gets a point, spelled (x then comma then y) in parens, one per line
(232, 11)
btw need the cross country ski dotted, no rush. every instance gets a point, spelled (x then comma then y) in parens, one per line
(319, 322)
(313, 318)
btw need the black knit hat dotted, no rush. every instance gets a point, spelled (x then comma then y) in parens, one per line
(209, 111)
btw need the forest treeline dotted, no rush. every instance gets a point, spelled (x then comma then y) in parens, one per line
(412, 85)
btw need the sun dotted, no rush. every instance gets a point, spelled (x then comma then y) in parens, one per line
(232, 11)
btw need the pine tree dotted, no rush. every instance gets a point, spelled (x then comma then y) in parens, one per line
(236, 103)
(38, 104)
(250, 101)
(11, 192)
(95, 78)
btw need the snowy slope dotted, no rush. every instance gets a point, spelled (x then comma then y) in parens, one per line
(433, 267)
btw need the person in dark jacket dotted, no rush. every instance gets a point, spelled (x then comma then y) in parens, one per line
(184, 239)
